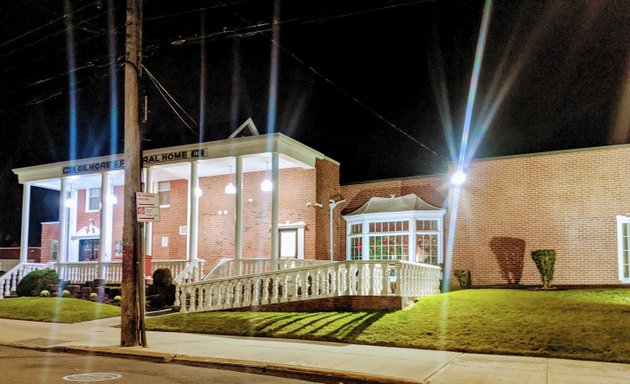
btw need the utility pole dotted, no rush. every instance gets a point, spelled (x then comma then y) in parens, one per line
(132, 331)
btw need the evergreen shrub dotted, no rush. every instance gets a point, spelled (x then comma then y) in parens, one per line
(36, 281)
(545, 260)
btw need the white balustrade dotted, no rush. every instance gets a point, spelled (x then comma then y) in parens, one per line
(10, 280)
(313, 281)
(253, 266)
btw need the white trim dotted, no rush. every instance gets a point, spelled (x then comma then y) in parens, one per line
(621, 220)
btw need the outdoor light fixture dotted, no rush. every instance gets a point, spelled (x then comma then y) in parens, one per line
(266, 185)
(111, 199)
(458, 178)
(230, 189)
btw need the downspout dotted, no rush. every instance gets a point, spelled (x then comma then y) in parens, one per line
(332, 204)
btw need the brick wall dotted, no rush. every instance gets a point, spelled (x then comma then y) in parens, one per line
(327, 188)
(564, 200)
(171, 218)
(50, 232)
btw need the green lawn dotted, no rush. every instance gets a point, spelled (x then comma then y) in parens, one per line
(579, 324)
(55, 309)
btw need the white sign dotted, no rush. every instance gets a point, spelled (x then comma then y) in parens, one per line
(147, 207)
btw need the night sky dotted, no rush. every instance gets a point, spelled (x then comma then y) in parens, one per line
(372, 84)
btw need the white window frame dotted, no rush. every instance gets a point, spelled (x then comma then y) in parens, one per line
(300, 226)
(412, 216)
(88, 197)
(621, 221)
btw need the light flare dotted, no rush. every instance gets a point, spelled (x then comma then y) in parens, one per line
(113, 80)
(72, 82)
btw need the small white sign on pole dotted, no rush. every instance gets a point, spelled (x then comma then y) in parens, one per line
(147, 207)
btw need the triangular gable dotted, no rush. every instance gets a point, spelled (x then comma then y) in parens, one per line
(90, 231)
(246, 129)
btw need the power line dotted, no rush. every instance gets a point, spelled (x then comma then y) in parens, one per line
(170, 100)
(342, 90)
(43, 26)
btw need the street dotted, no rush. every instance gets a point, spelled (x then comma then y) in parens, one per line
(33, 367)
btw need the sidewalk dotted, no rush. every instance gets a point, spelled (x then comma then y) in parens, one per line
(330, 362)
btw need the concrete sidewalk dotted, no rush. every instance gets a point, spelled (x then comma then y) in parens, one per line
(308, 360)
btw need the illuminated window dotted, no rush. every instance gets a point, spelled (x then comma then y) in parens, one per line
(164, 190)
(54, 250)
(92, 200)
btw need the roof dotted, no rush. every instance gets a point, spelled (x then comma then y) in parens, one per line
(409, 202)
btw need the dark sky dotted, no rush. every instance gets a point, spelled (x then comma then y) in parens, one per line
(368, 83)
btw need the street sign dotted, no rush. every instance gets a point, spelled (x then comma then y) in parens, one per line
(147, 207)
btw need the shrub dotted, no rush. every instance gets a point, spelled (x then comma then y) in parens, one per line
(545, 260)
(44, 293)
(65, 293)
(117, 299)
(93, 296)
(113, 292)
(162, 277)
(463, 277)
(36, 281)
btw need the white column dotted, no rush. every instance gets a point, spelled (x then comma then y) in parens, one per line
(365, 241)
(193, 212)
(26, 214)
(63, 221)
(148, 239)
(412, 240)
(238, 223)
(275, 179)
(103, 238)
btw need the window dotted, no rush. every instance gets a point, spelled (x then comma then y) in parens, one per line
(164, 241)
(356, 229)
(623, 234)
(426, 225)
(427, 248)
(92, 199)
(288, 243)
(88, 249)
(164, 190)
(54, 250)
(356, 251)
(118, 248)
(183, 230)
(390, 247)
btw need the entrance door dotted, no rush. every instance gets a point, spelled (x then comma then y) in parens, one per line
(88, 249)
(289, 243)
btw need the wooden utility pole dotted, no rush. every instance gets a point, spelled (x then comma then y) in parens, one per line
(132, 317)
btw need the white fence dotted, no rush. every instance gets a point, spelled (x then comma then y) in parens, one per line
(319, 280)
(254, 266)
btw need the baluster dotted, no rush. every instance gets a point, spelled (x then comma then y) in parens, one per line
(275, 291)
(372, 280)
(398, 273)
(266, 284)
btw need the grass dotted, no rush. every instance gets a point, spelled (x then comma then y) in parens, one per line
(578, 324)
(55, 309)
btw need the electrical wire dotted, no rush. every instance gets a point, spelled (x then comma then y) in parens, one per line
(340, 89)
(170, 100)
(43, 26)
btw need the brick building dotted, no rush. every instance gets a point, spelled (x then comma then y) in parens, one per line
(267, 196)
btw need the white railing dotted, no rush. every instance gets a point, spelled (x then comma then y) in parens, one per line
(80, 272)
(321, 280)
(232, 267)
(10, 280)
(192, 273)
(6, 264)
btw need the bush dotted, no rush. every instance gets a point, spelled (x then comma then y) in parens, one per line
(162, 277)
(36, 281)
(463, 277)
(66, 293)
(545, 260)
(44, 293)
(93, 296)
(117, 299)
(113, 292)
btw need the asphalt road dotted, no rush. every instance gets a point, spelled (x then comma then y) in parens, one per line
(19, 366)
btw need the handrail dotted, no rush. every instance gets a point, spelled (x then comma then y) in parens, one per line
(240, 267)
(330, 279)
(192, 273)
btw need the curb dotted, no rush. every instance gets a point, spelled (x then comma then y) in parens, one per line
(243, 366)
